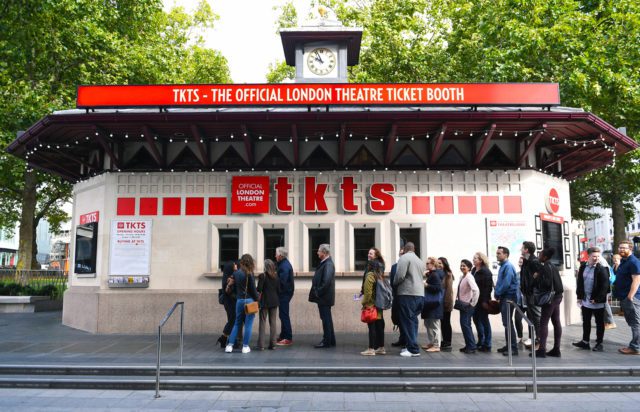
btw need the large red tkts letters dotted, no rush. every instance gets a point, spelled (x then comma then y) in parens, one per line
(382, 197)
(348, 189)
(283, 187)
(314, 196)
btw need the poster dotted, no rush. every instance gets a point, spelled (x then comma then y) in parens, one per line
(130, 251)
(250, 194)
(509, 233)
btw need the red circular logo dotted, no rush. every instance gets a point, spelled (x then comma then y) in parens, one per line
(553, 201)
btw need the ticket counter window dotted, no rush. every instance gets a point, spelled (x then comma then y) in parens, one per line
(273, 238)
(316, 238)
(552, 237)
(86, 248)
(364, 240)
(229, 241)
(411, 234)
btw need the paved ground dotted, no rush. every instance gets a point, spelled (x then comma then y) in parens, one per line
(40, 338)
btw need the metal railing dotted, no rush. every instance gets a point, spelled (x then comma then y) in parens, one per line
(166, 318)
(532, 335)
(34, 277)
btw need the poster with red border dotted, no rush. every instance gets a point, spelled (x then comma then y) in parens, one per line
(250, 194)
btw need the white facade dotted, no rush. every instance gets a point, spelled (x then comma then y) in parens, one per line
(185, 248)
(599, 232)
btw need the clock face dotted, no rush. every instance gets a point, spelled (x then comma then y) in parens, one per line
(321, 61)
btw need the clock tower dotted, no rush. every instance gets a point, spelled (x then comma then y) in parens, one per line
(321, 50)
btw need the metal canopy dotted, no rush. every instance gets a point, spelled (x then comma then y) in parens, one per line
(564, 142)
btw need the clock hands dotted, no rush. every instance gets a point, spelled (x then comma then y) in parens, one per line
(318, 58)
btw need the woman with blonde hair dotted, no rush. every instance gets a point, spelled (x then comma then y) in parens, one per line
(484, 280)
(376, 329)
(269, 290)
(245, 288)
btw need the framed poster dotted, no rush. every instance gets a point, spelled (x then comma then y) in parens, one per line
(130, 247)
(538, 241)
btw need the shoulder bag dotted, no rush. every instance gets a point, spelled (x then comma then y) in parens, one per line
(253, 307)
(369, 314)
(460, 305)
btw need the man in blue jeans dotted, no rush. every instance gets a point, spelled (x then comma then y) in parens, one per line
(287, 287)
(410, 286)
(627, 288)
(507, 290)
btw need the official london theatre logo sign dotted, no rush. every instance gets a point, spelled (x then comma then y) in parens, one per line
(553, 201)
(250, 194)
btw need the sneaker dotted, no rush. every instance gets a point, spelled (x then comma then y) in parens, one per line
(629, 351)
(405, 353)
(610, 326)
(467, 350)
(598, 348)
(284, 342)
(368, 352)
(554, 353)
(228, 349)
(246, 349)
(526, 342)
(445, 348)
(433, 349)
(381, 351)
(582, 345)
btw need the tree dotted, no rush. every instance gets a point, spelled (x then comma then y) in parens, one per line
(48, 48)
(590, 47)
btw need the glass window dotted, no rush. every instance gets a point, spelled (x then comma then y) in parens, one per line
(364, 239)
(229, 241)
(316, 238)
(552, 237)
(273, 238)
(86, 248)
(410, 234)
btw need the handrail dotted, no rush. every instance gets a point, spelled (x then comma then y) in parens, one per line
(532, 334)
(166, 318)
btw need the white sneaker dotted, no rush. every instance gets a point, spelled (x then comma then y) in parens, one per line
(246, 349)
(405, 353)
(228, 349)
(526, 342)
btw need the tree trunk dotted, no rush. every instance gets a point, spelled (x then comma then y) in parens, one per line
(34, 251)
(27, 231)
(619, 224)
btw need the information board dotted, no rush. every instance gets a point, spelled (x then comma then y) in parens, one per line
(130, 247)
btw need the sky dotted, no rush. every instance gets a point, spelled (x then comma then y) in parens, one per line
(246, 34)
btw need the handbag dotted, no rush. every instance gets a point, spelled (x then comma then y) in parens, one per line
(462, 306)
(253, 307)
(221, 295)
(369, 314)
(492, 307)
(542, 298)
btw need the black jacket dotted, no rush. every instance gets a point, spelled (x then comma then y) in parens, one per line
(484, 279)
(269, 290)
(548, 278)
(240, 282)
(323, 285)
(529, 267)
(600, 283)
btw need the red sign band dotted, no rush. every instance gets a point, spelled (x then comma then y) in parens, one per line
(433, 94)
(89, 218)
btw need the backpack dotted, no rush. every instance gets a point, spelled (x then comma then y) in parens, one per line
(384, 294)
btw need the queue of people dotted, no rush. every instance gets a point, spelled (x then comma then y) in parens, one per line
(426, 289)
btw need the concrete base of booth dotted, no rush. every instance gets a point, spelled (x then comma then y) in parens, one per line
(139, 311)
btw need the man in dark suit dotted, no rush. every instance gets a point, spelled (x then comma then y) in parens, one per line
(323, 293)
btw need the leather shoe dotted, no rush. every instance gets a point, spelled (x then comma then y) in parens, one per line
(503, 349)
(554, 353)
(398, 344)
(582, 345)
(322, 345)
(598, 348)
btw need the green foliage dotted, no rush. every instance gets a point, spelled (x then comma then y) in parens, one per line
(55, 292)
(47, 48)
(287, 17)
(589, 47)
(280, 71)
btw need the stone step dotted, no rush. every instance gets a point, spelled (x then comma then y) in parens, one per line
(339, 384)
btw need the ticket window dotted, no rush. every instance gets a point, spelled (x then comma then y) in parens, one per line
(229, 241)
(273, 238)
(411, 235)
(86, 248)
(552, 237)
(364, 240)
(316, 238)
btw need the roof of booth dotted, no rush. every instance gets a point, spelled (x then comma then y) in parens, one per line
(77, 144)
